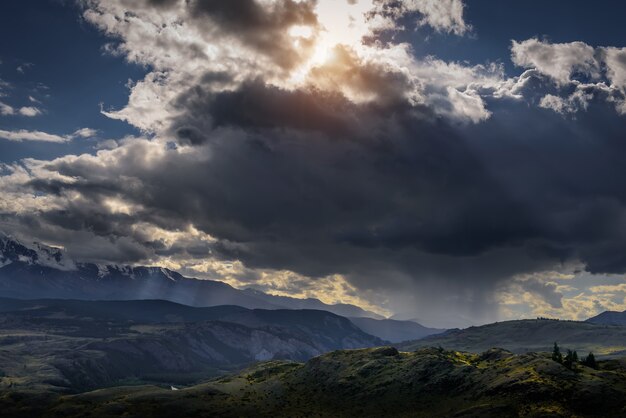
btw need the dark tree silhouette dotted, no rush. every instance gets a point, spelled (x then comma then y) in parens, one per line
(590, 361)
(556, 354)
(570, 360)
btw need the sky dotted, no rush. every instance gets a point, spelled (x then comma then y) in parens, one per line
(456, 162)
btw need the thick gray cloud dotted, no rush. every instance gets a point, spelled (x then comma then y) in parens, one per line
(424, 182)
(398, 203)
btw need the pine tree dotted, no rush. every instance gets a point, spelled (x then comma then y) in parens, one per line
(556, 354)
(570, 359)
(590, 361)
(567, 361)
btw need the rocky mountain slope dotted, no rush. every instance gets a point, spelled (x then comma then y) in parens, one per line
(37, 271)
(376, 382)
(78, 345)
(531, 335)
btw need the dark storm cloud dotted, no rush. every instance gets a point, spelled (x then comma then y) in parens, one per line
(391, 196)
(264, 28)
(381, 190)
(309, 189)
(311, 182)
(257, 106)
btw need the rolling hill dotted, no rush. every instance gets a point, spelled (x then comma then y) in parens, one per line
(530, 335)
(379, 382)
(609, 318)
(71, 345)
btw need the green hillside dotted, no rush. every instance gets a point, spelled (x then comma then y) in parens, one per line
(366, 383)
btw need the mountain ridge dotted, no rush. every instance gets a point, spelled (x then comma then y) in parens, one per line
(72, 346)
(609, 318)
(530, 335)
(394, 331)
(40, 271)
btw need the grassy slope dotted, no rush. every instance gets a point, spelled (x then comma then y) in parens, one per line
(372, 382)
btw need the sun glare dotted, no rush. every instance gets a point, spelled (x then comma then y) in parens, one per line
(341, 23)
(300, 31)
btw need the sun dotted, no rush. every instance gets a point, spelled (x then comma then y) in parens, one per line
(300, 31)
(340, 23)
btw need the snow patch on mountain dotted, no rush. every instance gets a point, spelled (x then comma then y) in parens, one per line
(12, 250)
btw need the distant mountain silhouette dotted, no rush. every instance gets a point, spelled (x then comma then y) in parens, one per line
(394, 331)
(609, 318)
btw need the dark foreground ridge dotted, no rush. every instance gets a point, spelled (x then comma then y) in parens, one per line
(377, 382)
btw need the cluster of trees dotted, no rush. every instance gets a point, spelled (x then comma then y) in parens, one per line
(571, 358)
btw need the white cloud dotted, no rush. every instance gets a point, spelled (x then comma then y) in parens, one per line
(6, 110)
(24, 67)
(181, 50)
(558, 61)
(107, 144)
(30, 111)
(149, 104)
(615, 61)
(579, 72)
(460, 105)
(578, 100)
(24, 135)
(85, 133)
(442, 15)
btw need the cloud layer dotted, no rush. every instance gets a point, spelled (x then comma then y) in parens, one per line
(295, 147)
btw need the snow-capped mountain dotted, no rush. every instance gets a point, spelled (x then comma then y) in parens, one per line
(38, 271)
(12, 250)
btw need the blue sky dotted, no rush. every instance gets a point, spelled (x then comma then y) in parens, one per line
(63, 67)
(456, 161)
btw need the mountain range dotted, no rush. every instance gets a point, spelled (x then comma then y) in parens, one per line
(39, 271)
(609, 318)
(79, 339)
(393, 330)
(71, 345)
